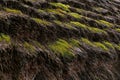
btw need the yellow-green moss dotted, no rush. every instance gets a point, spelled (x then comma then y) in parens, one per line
(67, 25)
(94, 44)
(29, 47)
(96, 30)
(78, 24)
(37, 44)
(58, 22)
(100, 45)
(118, 30)
(75, 42)
(5, 38)
(75, 15)
(99, 9)
(61, 5)
(56, 11)
(86, 41)
(63, 47)
(108, 24)
(13, 10)
(80, 10)
(43, 22)
(41, 11)
(92, 29)
(117, 46)
(108, 44)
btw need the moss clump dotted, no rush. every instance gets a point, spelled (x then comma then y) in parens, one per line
(108, 24)
(41, 11)
(67, 25)
(108, 44)
(58, 22)
(56, 11)
(5, 38)
(78, 24)
(98, 8)
(13, 11)
(61, 5)
(80, 10)
(43, 22)
(117, 46)
(74, 42)
(94, 44)
(86, 41)
(75, 15)
(96, 30)
(100, 45)
(118, 30)
(92, 29)
(29, 47)
(62, 47)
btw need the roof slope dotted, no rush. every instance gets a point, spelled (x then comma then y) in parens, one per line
(59, 39)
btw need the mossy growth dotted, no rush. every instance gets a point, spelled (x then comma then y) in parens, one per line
(58, 22)
(99, 9)
(29, 47)
(42, 22)
(83, 11)
(100, 45)
(108, 44)
(117, 29)
(86, 41)
(97, 30)
(56, 11)
(75, 42)
(92, 29)
(94, 44)
(78, 24)
(67, 25)
(4, 38)
(62, 47)
(41, 11)
(32, 0)
(108, 24)
(117, 46)
(80, 10)
(61, 5)
(37, 44)
(75, 15)
(13, 10)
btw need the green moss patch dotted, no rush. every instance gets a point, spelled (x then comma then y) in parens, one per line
(75, 15)
(86, 41)
(4, 38)
(43, 22)
(92, 29)
(67, 25)
(108, 44)
(78, 24)
(103, 22)
(61, 5)
(118, 30)
(29, 47)
(100, 45)
(13, 10)
(63, 47)
(95, 44)
(97, 30)
(74, 42)
(117, 46)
